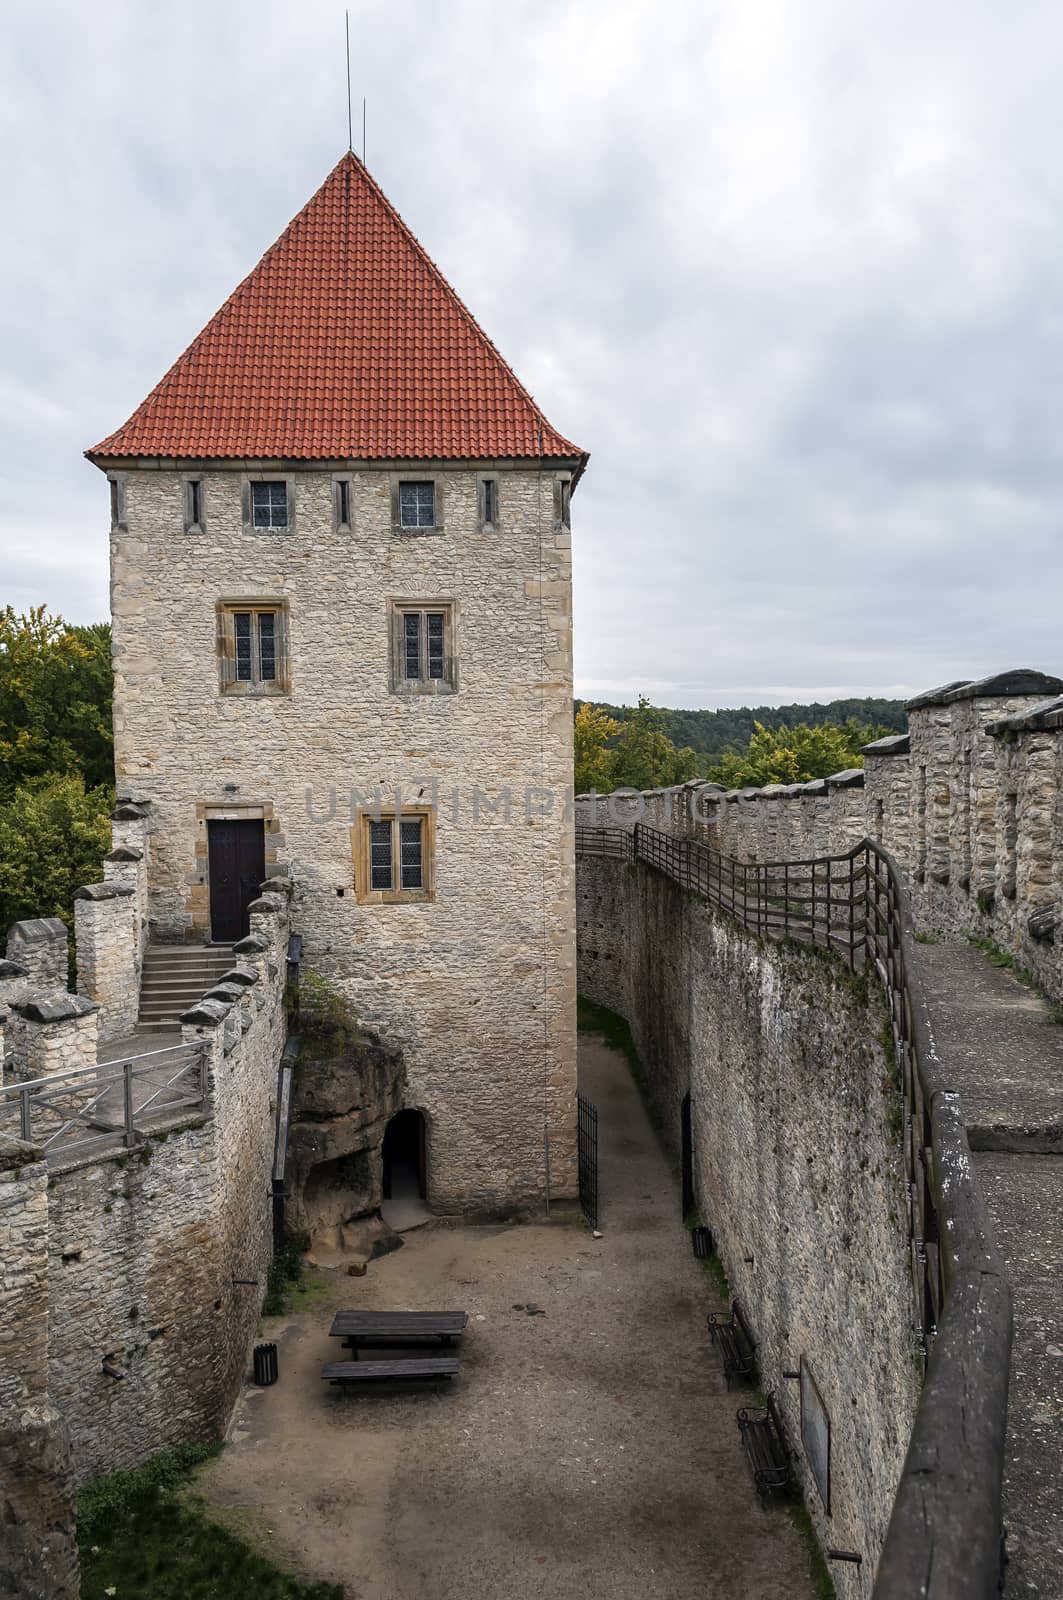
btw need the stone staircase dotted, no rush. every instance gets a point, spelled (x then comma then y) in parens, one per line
(174, 977)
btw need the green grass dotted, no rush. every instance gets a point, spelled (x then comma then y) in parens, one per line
(822, 1582)
(283, 1277)
(611, 1027)
(143, 1536)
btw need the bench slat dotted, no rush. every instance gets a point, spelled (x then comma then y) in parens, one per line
(366, 1371)
(428, 1324)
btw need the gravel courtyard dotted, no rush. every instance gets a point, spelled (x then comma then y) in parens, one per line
(587, 1451)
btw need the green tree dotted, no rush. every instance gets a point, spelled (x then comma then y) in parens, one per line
(55, 699)
(644, 757)
(594, 758)
(793, 755)
(54, 834)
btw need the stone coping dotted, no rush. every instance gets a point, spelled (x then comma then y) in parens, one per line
(936, 697)
(1020, 680)
(894, 744)
(55, 1008)
(37, 930)
(124, 852)
(104, 891)
(1047, 714)
(13, 969)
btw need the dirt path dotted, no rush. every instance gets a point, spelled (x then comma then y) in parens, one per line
(587, 1453)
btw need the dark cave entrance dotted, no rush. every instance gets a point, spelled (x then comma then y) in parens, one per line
(405, 1169)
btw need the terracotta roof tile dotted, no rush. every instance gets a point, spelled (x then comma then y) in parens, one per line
(344, 342)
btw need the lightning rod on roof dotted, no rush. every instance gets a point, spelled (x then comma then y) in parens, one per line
(350, 130)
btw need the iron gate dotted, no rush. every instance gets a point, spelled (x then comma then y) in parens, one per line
(587, 1158)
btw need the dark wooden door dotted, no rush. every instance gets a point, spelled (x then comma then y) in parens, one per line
(237, 867)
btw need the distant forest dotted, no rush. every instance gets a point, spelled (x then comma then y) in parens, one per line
(713, 733)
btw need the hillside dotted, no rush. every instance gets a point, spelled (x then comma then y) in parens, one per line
(711, 733)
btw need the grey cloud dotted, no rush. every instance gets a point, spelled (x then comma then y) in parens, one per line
(790, 273)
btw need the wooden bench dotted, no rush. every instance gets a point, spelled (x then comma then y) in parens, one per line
(427, 1369)
(738, 1348)
(765, 1447)
(357, 1328)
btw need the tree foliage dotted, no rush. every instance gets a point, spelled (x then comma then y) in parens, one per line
(716, 733)
(54, 834)
(794, 755)
(55, 699)
(633, 754)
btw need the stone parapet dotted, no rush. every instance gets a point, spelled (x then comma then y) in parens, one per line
(49, 1034)
(969, 803)
(39, 947)
(107, 932)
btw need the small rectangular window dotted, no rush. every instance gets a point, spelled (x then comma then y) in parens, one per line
(116, 503)
(417, 505)
(564, 502)
(393, 855)
(253, 645)
(423, 646)
(195, 503)
(343, 502)
(490, 502)
(269, 505)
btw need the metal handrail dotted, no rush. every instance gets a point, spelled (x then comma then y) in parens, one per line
(944, 1534)
(46, 1110)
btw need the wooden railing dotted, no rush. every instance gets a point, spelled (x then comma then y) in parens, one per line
(944, 1536)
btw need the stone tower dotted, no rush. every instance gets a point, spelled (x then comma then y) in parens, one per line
(341, 585)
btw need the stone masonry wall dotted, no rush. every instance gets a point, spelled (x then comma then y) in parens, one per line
(797, 1164)
(969, 803)
(151, 1335)
(478, 984)
(38, 1548)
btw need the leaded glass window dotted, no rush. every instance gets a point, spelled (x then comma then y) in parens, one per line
(417, 505)
(269, 505)
(253, 647)
(380, 855)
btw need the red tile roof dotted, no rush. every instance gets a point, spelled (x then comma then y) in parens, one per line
(344, 342)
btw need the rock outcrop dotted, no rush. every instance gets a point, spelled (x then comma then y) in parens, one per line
(347, 1088)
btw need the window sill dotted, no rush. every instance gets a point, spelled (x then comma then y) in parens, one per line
(417, 533)
(395, 897)
(255, 691)
(433, 686)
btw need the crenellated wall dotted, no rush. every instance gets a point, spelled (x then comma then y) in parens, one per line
(969, 802)
(133, 1270)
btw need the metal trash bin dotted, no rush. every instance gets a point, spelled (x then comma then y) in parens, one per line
(265, 1359)
(701, 1238)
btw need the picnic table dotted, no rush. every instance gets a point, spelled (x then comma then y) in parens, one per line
(357, 1328)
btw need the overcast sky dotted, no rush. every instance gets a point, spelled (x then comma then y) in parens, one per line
(791, 270)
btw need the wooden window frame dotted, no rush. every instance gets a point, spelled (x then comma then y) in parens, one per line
(258, 605)
(365, 894)
(398, 610)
